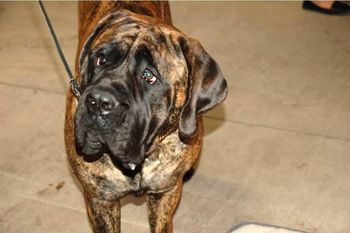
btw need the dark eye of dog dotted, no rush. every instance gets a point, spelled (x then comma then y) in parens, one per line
(101, 59)
(149, 76)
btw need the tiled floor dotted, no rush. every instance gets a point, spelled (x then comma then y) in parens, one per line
(276, 152)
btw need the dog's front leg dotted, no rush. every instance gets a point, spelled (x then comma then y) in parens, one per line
(161, 209)
(104, 215)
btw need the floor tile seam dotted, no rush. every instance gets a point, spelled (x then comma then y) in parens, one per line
(50, 203)
(72, 208)
(43, 46)
(279, 129)
(210, 222)
(333, 119)
(5, 84)
(203, 196)
(212, 199)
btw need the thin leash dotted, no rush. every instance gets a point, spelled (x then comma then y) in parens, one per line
(72, 81)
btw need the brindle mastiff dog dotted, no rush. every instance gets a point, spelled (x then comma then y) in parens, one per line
(137, 126)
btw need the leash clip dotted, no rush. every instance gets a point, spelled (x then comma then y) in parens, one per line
(74, 86)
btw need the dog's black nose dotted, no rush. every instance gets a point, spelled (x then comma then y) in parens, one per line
(101, 102)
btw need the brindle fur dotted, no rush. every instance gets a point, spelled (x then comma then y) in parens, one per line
(169, 157)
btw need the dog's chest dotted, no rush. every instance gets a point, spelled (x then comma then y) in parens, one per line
(162, 168)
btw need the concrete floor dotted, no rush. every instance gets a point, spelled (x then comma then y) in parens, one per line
(276, 152)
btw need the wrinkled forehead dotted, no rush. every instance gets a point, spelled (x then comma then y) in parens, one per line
(132, 29)
(133, 33)
(123, 34)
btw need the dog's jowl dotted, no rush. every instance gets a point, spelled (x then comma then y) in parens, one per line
(137, 127)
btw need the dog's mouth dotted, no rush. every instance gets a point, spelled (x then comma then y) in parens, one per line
(95, 145)
(91, 146)
(93, 141)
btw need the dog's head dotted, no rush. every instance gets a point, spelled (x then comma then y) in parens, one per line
(141, 80)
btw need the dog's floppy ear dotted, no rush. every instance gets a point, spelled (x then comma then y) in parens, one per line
(206, 86)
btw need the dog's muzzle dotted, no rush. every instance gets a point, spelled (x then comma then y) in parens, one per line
(105, 124)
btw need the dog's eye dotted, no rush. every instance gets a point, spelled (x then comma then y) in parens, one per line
(101, 59)
(149, 76)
